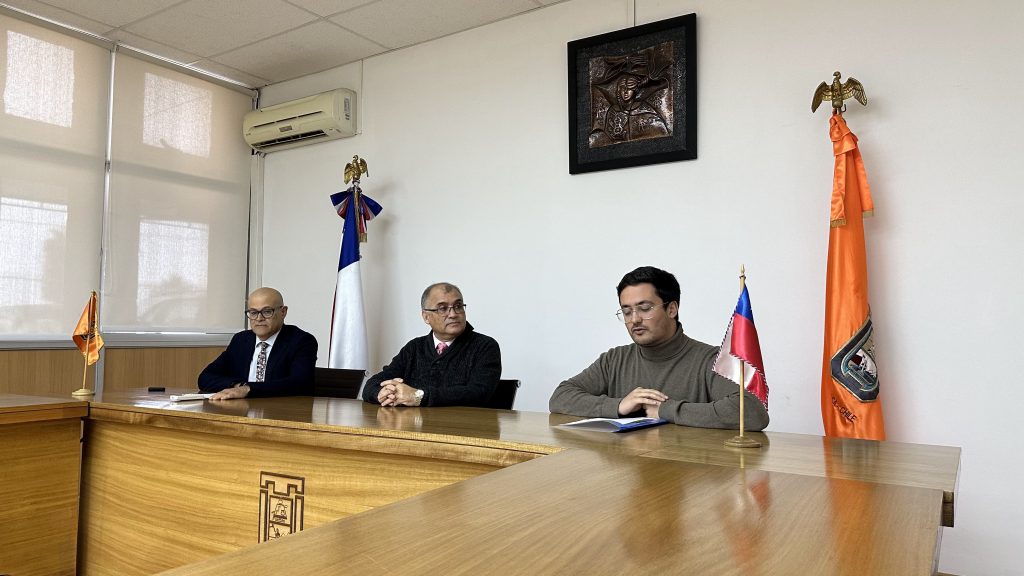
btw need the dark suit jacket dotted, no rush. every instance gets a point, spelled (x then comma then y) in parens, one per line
(289, 366)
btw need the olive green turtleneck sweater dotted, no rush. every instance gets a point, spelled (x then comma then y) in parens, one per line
(680, 368)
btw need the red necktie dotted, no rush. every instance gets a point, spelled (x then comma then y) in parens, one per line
(441, 347)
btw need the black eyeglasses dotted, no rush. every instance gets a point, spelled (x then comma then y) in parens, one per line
(443, 309)
(266, 312)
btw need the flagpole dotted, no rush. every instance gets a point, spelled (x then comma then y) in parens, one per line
(89, 342)
(743, 365)
(355, 208)
(742, 441)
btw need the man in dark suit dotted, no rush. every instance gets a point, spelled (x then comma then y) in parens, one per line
(271, 359)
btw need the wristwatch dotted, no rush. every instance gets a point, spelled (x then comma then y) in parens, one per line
(418, 397)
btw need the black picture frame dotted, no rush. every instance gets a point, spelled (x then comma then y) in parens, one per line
(633, 96)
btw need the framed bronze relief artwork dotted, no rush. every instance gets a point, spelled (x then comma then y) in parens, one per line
(633, 96)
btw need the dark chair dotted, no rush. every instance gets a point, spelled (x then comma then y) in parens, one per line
(504, 395)
(337, 382)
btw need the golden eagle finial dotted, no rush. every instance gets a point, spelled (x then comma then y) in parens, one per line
(838, 92)
(355, 169)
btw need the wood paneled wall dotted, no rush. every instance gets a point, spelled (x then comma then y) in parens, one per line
(43, 372)
(59, 372)
(127, 368)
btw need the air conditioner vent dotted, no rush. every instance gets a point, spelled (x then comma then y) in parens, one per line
(286, 120)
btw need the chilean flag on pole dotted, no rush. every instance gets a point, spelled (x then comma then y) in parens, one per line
(740, 355)
(348, 326)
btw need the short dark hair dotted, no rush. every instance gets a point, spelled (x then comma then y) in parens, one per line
(665, 284)
(444, 286)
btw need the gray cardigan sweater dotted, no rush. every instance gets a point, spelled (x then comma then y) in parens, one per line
(465, 375)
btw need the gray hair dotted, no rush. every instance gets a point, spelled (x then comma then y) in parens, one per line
(444, 286)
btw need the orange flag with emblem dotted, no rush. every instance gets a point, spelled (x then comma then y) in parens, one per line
(850, 403)
(87, 335)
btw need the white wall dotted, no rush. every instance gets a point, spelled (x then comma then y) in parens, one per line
(466, 142)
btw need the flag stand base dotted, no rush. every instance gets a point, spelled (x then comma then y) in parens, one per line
(83, 392)
(742, 442)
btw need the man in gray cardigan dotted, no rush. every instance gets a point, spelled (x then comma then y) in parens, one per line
(453, 365)
(663, 374)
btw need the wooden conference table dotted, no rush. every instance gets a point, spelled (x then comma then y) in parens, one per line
(215, 488)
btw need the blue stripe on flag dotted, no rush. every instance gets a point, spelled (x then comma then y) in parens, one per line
(349, 238)
(371, 207)
(743, 306)
(342, 202)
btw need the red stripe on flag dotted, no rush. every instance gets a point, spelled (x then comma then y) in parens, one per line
(745, 343)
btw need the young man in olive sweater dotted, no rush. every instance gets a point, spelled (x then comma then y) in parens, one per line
(663, 374)
(453, 365)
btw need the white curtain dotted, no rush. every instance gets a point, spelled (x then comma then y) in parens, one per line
(53, 111)
(174, 237)
(177, 234)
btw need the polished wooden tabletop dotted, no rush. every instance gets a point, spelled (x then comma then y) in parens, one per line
(893, 463)
(16, 408)
(460, 425)
(592, 512)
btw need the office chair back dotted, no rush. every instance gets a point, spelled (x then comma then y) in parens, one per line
(337, 382)
(504, 395)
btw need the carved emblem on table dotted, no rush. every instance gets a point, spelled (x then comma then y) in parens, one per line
(282, 499)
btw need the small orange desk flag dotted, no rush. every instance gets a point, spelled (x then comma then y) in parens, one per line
(850, 404)
(87, 335)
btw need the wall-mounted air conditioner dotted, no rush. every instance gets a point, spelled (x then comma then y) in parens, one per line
(312, 119)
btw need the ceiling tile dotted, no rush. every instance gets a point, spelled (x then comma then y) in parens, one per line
(398, 23)
(230, 73)
(328, 7)
(157, 48)
(61, 16)
(261, 41)
(209, 27)
(113, 12)
(312, 48)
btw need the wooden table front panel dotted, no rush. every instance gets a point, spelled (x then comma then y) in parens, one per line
(39, 467)
(155, 498)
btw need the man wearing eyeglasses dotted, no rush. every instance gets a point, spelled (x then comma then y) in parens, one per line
(270, 359)
(453, 365)
(663, 374)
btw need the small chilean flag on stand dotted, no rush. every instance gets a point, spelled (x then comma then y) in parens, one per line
(739, 359)
(348, 347)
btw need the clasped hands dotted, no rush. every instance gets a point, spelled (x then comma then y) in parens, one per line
(646, 399)
(396, 392)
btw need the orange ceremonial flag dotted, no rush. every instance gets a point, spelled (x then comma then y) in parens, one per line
(850, 404)
(87, 335)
